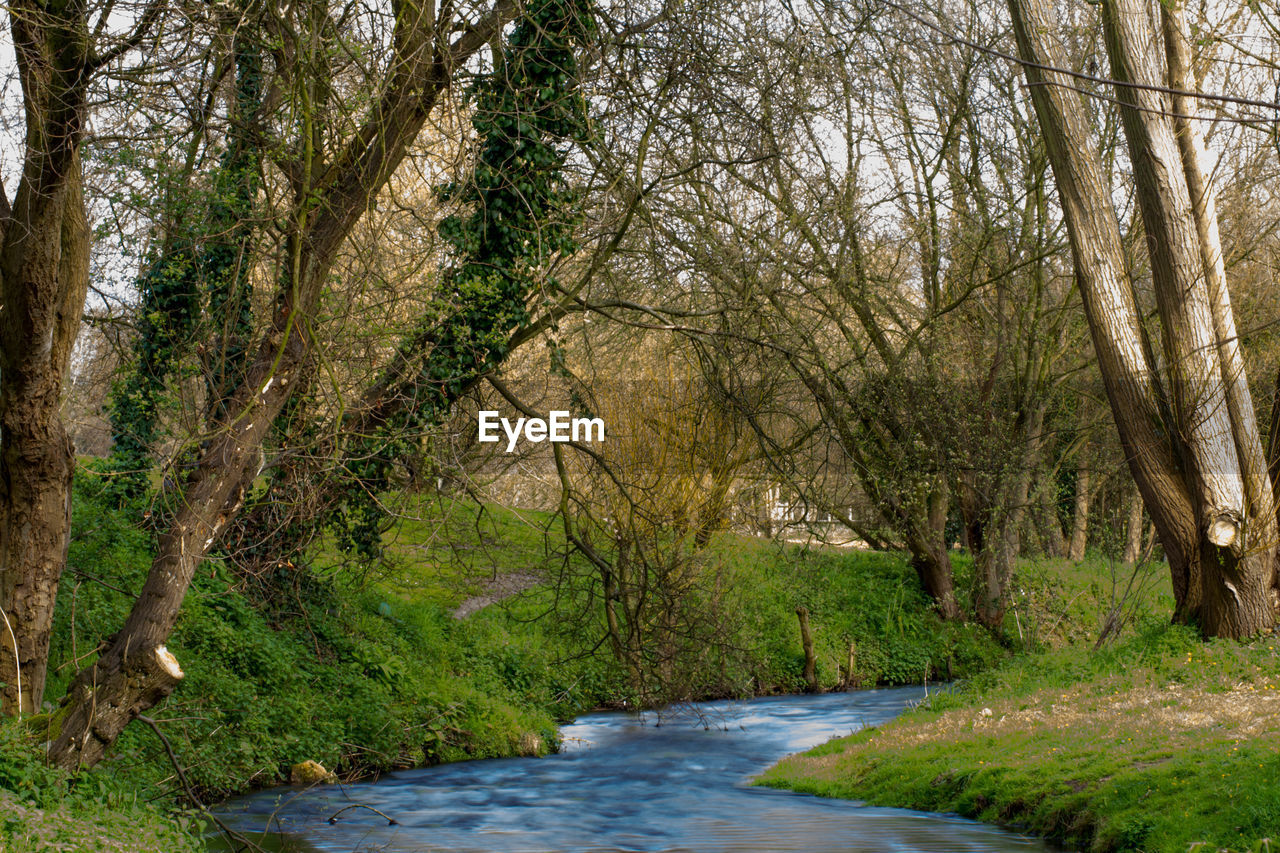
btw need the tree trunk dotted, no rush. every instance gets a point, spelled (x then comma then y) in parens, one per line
(994, 565)
(971, 512)
(1049, 525)
(1124, 354)
(806, 642)
(38, 461)
(1191, 451)
(1260, 538)
(1273, 444)
(1234, 515)
(1133, 531)
(1080, 513)
(930, 557)
(44, 275)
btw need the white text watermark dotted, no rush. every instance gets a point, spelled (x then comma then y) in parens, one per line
(558, 426)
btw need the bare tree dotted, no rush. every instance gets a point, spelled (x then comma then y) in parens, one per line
(872, 225)
(641, 509)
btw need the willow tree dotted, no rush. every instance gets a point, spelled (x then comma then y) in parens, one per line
(1186, 420)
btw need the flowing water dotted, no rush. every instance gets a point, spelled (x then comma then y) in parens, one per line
(671, 781)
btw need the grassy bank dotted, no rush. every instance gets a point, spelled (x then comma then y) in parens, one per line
(1162, 743)
(42, 810)
(366, 669)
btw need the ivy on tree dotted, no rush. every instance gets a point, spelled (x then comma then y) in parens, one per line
(199, 269)
(519, 212)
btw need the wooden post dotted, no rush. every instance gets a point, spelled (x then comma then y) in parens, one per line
(806, 640)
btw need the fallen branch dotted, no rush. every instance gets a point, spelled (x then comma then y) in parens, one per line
(333, 818)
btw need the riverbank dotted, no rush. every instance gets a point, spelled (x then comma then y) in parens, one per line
(1160, 743)
(41, 809)
(661, 781)
(365, 669)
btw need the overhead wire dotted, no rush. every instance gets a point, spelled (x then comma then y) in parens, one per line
(954, 38)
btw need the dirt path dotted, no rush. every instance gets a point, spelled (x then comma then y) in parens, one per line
(495, 590)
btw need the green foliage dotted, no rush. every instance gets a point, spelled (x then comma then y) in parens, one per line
(553, 633)
(45, 809)
(357, 679)
(168, 315)
(1157, 743)
(199, 272)
(21, 770)
(519, 214)
(869, 600)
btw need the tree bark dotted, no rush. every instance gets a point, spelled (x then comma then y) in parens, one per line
(1222, 449)
(1263, 533)
(930, 556)
(806, 642)
(1080, 512)
(1273, 445)
(1133, 531)
(1120, 342)
(44, 274)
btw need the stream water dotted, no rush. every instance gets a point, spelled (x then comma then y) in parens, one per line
(671, 781)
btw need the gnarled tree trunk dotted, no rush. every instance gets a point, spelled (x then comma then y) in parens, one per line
(925, 530)
(44, 275)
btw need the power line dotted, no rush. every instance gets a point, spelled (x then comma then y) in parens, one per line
(1080, 75)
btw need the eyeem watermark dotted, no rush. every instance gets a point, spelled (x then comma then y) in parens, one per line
(557, 427)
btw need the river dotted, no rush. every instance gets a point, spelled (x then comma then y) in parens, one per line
(671, 781)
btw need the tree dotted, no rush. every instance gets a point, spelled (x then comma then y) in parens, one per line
(638, 512)
(334, 178)
(1186, 422)
(868, 232)
(44, 277)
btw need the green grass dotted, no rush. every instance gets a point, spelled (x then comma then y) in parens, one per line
(347, 674)
(868, 600)
(43, 810)
(441, 550)
(1160, 743)
(1056, 602)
